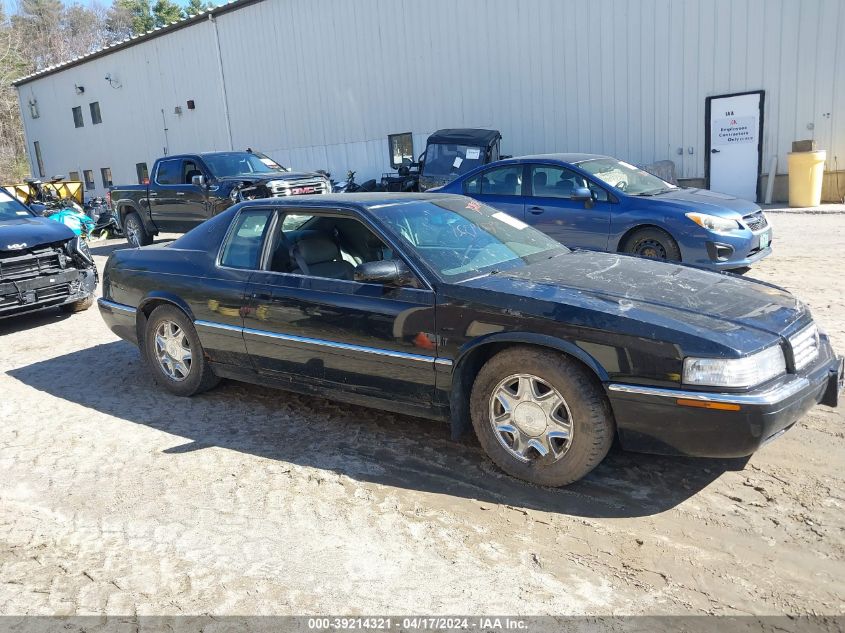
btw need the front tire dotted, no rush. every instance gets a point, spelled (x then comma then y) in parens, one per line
(653, 243)
(136, 233)
(540, 416)
(79, 306)
(174, 353)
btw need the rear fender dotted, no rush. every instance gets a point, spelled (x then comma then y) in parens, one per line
(151, 302)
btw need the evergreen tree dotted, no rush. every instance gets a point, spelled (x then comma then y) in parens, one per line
(196, 7)
(166, 11)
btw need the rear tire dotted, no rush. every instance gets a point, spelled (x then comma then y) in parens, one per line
(136, 233)
(653, 243)
(174, 353)
(561, 425)
(79, 306)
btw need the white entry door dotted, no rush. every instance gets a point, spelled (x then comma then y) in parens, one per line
(734, 123)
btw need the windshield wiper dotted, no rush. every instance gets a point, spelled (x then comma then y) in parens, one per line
(654, 192)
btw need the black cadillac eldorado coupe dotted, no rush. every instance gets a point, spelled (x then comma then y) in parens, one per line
(439, 306)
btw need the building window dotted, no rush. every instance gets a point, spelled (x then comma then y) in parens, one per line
(401, 149)
(74, 176)
(77, 117)
(38, 159)
(95, 113)
(89, 179)
(105, 173)
(143, 173)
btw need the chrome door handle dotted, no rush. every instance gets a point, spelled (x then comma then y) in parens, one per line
(536, 210)
(715, 151)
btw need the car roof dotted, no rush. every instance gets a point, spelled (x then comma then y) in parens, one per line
(465, 136)
(371, 200)
(571, 157)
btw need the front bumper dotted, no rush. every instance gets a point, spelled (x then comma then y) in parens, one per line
(46, 291)
(651, 420)
(720, 251)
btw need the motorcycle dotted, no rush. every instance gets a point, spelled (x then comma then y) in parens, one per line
(65, 210)
(105, 222)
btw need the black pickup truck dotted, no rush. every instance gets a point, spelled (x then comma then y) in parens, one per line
(187, 189)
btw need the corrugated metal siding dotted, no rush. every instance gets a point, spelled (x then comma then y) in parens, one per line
(320, 83)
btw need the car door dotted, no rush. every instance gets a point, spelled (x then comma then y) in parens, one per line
(500, 187)
(217, 299)
(175, 203)
(338, 333)
(551, 208)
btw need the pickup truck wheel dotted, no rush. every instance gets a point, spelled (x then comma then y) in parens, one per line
(653, 243)
(174, 353)
(79, 306)
(540, 416)
(136, 234)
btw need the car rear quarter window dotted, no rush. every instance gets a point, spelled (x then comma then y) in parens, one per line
(244, 242)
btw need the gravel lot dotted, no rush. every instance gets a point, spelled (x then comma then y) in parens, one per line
(119, 498)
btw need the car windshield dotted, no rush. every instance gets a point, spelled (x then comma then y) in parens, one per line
(461, 238)
(624, 177)
(448, 160)
(240, 164)
(11, 208)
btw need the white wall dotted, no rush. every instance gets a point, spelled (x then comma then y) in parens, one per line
(321, 83)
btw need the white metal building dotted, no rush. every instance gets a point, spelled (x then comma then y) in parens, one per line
(321, 83)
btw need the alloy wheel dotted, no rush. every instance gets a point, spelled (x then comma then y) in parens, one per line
(530, 419)
(133, 232)
(173, 351)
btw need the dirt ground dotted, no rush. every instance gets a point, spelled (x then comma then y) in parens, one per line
(118, 498)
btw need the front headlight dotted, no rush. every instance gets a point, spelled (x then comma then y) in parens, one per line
(735, 372)
(714, 223)
(78, 249)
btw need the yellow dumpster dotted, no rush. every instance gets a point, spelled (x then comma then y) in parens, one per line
(806, 170)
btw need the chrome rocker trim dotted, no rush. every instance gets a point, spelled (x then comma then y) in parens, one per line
(323, 343)
(772, 396)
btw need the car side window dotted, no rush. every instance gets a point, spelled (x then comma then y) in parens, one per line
(325, 246)
(502, 181)
(473, 185)
(189, 170)
(169, 172)
(548, 181)
(244, 242)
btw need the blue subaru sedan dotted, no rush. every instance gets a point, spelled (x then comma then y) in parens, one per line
(601, 203)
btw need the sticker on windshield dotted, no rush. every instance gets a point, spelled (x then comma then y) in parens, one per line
(512, 221)
(624, 164)
(269, 162)
(473, 153)
(5, 197)
(458, 161)
(21, 213)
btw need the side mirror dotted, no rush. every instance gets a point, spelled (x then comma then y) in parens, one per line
(581, 194)
(390, 272)
(198, 181)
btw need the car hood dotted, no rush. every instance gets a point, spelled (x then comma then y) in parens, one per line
(282, 175)
(706, 201)
(28, 232)
(659, 294)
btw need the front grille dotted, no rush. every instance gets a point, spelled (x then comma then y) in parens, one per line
(312, 186)
(756, 221)
(805, 346)
(28, 264)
